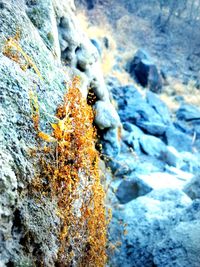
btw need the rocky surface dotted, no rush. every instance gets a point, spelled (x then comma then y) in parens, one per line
(51, 44)
(155, 182)
(152, 153)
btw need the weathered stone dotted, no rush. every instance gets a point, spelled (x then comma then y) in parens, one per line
(131, 188)
(181, 247)
(111, 144)
(144, 223)
(145, 71)
(152, 145)
(188, 113)
(105, 115)
(177, 139)
(192, 188)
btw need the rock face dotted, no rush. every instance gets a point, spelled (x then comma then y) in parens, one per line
(47, 50)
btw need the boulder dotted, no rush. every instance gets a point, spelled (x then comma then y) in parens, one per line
(181, 247)
(152, 145)
(123, 164)
(106, 115)
(111, 144)
(163, 180)
(133, 129)
(143, 223)
(131, 189)
(159, 106)
(145, 71)
(192, 188)
(131, 139)
(171, 157)
(188, 113)
(177, 139)
(150, 114)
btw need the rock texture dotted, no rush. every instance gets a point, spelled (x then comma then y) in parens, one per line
(51, 50)
(156, 188)
(152, 155)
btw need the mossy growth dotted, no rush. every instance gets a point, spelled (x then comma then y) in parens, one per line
(69, 172)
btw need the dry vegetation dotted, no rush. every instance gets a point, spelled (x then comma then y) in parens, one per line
(68, 172)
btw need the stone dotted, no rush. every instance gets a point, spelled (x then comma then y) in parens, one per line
(153, 128)
(152, 145)
(145, 71)
(184, 176)
(105, 115)
(177, 139)
(130, 189)
(50, 50)
(142, 224)
(190, 162)
(150, 114)
(131, 139)
(192, 188)
(111, 144)
(181, 247)
(163, 180)
(188, 113)
(159, 106)
(123, 164)
(133, 129)
(172, 157)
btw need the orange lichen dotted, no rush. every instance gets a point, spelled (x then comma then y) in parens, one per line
(72, 177)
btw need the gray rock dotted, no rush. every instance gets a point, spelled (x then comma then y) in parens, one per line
(49, 31)
(159, 106)
(131, 188)
(162, 180)
(150, 114)
(181, 247)
(144, 222)
(133, 129)
(152, 145)
(111, 144)
(131, 139)
(154, 128)
(192, 188)
(188, 113)
(105, 115)
(172, 157)
(145, 71)
(123, 164)
(190, 162)
(177, 139)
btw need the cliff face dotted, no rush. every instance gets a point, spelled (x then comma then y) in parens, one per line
(41, 49)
